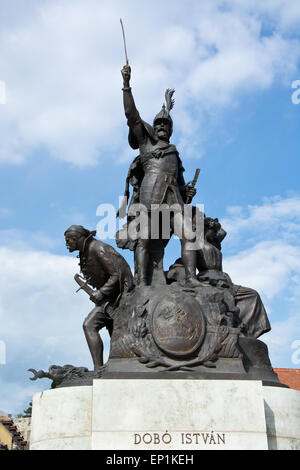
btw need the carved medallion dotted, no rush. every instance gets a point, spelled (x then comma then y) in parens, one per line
(178, 325)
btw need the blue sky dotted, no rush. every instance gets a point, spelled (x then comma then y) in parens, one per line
(64, 150)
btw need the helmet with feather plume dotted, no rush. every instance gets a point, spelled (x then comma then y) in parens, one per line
(166, 108)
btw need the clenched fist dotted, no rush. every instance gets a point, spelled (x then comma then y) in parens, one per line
(190, 193)
(126, 74)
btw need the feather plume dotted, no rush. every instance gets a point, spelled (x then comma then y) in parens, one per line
(169, 101)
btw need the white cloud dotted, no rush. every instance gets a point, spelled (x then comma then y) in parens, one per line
(61, 63)
(286, 14)
(275, 217)
(267, 267)
(22, 240)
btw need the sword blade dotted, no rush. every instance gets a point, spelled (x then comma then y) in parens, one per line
(83, 285)
(126, 57)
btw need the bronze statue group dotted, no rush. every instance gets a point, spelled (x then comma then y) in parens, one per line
(156, 178)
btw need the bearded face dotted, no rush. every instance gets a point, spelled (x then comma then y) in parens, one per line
(162, 129)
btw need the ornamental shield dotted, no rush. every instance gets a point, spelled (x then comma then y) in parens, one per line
(178, 325)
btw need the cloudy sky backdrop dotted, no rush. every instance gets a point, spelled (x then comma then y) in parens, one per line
(64, 150)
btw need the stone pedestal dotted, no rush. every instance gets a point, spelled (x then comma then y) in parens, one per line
(166, 414)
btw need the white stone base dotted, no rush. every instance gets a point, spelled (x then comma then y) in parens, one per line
(282, 409)
(61, 419)
(166, 415)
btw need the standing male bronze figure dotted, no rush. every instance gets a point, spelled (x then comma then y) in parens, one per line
(106, 270)
(157, 176)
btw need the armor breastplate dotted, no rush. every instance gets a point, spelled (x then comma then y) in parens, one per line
(166, 164)
(160, 175)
